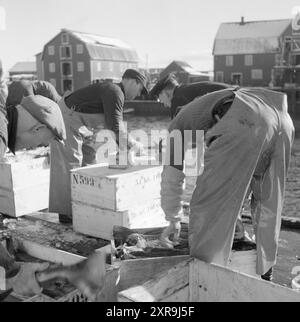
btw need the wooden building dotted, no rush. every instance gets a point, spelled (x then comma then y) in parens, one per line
(184, 73)
(23, 70)
(245, 53)
(72, 60)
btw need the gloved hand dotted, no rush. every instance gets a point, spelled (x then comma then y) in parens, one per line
(25, 282)
(174, 229)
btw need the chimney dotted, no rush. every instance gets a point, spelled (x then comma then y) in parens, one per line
(242, 21)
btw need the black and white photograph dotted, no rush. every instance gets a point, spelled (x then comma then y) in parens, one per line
(149, 152)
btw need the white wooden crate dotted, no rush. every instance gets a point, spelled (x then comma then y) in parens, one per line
(24, 186)
(97, 222)
(115, 189)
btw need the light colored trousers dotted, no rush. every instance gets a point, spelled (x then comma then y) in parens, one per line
(78, 150)
(252, 149)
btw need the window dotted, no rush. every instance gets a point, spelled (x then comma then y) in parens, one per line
(99, 66)
(278, 59)
(220, 77)
(111, 67)
(229, 60)
(51, 50)
(67, 69)
(79, 49)
(80, 66)
(237, 79)
(67, 85)
(52, 67)
(53, 81)
(248, 60)
(64, 39)
(257, 74)
(65, 52)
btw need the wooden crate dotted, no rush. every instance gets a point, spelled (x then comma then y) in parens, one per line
(192, 280)
(97, 222)
(24, 186)
(115, 189)
(35, 242)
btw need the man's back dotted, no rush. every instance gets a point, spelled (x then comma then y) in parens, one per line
(92, 99)
(185, 94)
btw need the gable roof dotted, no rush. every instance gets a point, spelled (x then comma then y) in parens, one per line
(103, 48)
(186, 68)
(24, 68)
(250, 37)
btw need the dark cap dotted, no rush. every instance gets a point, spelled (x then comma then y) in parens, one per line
(46, 112)
(134, 74)
(168, 80)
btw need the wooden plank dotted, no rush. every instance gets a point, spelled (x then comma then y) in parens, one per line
(212, 283)
(95, 222)
(243, 262)
(48, 254)
(138, 271)
(98, 222)
(109, 292)
(24, 186)
(26, 173)
(169, 285)
(30, 173)
(56, 236)
(115, 189)
(290, 222)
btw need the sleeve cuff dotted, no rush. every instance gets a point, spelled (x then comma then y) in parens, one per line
(171, 193)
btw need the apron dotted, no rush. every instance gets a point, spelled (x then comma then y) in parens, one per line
(252, 149)
(79, 150)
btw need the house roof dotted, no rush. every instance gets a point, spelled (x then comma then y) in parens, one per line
(250, 37)
(24, 68)
(104, 48)
(185, 67)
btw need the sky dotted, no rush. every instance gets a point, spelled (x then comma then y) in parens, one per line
(160, 30)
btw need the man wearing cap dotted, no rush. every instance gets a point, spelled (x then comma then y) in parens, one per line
(174, 96)
(87, 111)
(34, 122)
(19, 89)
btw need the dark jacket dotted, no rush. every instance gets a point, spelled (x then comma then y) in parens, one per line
(185, 94)
(104, 98)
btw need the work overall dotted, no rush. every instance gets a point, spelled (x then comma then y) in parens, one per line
(251, 148)
(78, 150)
